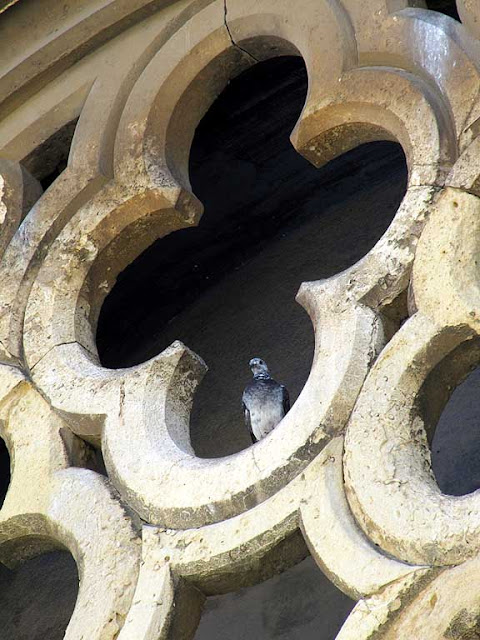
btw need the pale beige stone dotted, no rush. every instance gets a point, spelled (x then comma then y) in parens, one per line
(469, 12)
(152, 605)
(372, 617)
(139, 76)
(340, 548)
(447, 608)
(465, 174)
(68, 508)
(387, 458)
(163, 607)
(376, 104)
(423, 40)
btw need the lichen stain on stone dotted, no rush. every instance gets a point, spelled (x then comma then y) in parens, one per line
(465, 626)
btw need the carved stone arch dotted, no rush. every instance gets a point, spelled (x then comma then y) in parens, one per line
(145, 193)
(166, 520)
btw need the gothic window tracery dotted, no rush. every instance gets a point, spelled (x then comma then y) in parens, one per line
(349, 467)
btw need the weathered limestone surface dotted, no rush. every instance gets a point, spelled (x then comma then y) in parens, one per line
(349, 466)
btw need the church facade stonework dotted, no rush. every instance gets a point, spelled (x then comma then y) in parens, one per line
(348, 468)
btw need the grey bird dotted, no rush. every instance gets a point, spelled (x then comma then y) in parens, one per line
(265, 402)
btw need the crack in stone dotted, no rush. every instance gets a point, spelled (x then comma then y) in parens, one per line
(225, 12)
(121, 401)
(255, 462)
(8, 401)
(61, 344)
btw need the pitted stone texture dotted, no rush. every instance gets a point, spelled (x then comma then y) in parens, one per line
(381, 69)
(164, 607)
(441, 603)
(372, 617)
(448, 607)
(469, 12)
(110, 229)
(50, 505)
(359, 570)
(386, 454)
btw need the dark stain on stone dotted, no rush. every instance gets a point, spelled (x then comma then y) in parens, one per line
(464, 626)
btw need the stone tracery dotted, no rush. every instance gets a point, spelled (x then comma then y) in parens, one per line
(377, 70)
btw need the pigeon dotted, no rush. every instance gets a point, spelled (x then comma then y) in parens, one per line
(265, 402)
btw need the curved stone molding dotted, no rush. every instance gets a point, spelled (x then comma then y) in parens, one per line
(49, 505)
(18, 192)
(253, 545)
(138, 403)
(139, 76)
(263, 28)
(399, 39)
(372, 617)
(376, 104)
(102, 238)
(78, 31)
(153, 606)
(469, 13)
(387, 458)
(453, 607)
(359, 570)
(402, 609)
(98, 95)
(239, 550)
(164, 606)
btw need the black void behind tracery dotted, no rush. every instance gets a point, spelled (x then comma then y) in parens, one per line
(38, 598)
(299, 604)
(456, 442)
(4, 471)
(448, 7)
(227, 288)
(448, 404)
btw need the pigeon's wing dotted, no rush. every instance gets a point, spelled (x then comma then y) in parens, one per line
(286, 400)
(248, 422)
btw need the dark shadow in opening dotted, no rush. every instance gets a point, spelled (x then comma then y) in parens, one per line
(272, 220)
(92, 458)
(4, 471)
(456, 443)
(300, 603)
(449, 405)
(448, 7)
(84, 454)
(95, 461)
(50, 158)
(38, 598)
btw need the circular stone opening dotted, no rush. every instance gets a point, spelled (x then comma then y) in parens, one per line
(450, 406)
(227, 288)
(4, 471)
